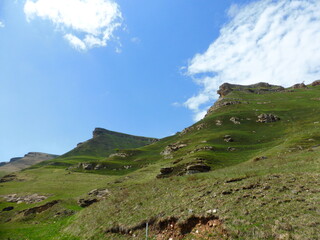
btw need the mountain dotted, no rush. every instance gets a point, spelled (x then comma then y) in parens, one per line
(29, 159)
(248, 170)
(101, 145)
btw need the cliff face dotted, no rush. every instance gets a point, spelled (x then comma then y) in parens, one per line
(258, 88)
(29, 159)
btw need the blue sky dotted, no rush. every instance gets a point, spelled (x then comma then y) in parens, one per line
(141, 67)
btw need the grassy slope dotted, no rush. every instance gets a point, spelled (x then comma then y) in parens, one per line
(96, 148)
(278, 198)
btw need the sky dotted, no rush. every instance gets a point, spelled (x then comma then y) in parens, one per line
(147, 68)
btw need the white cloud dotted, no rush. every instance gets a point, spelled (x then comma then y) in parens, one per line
(265, 41)
(75, 42)
(2, 25)
(86, 23)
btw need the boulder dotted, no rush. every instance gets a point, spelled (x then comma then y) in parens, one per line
(218, 122)
(267, 118)
(99, 166)
(231, 149)
(228, 138)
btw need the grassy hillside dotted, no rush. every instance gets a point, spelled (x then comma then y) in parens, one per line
(101, 145)
(263, 182)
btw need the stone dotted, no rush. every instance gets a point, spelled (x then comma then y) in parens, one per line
(231, 149)
(218, 122)
(98, 167)
(212, 211)
(235, 120)
(228, 138)
(267, 118)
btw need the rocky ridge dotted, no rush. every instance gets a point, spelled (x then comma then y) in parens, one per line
(29, 159)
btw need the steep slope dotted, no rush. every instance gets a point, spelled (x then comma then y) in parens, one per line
(31, 158)
(258, 152)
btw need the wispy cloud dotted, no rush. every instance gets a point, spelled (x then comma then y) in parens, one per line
(135, 40)
(265, 41)
(2, 25)
(85, 23)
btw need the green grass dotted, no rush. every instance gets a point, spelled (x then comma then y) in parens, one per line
(278, 197)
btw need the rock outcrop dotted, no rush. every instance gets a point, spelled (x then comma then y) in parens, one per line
(167, 152)
(267, 118)
(193, 128)
(316, 83)
(9, 178)
(235, 120)
(204, 148)
(228, 138)
(220, 103)
(197, 168)
(299, 86)
(164, 172)
(39, 209)
(95, 195)
(120, 154)
(15, 198)
(258, 88)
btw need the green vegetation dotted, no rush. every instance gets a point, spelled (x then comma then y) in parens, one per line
(262, 185)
